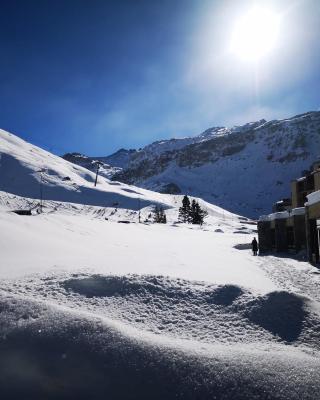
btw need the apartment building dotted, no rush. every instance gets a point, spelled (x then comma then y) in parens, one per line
(294, 224)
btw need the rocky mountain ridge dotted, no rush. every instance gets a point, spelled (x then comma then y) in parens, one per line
(244, 168)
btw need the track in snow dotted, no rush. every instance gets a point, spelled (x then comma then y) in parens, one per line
(292, 275)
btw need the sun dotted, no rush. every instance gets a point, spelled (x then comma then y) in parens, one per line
(255, 34)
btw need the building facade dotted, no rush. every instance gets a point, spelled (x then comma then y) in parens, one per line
(294, 225)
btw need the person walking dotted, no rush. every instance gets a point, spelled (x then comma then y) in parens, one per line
(254, 245)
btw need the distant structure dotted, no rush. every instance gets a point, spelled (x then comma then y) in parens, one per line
(98, 165)
(294, 224)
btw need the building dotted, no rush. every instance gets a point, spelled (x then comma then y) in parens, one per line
(313, 226)
(302, 187)
(282, 205)
(294, 224)
(283, 231)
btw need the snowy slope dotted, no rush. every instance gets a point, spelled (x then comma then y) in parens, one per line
(244, 169)
(90, 306)
(20, 163)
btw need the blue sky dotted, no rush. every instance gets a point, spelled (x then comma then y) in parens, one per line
(94, 76)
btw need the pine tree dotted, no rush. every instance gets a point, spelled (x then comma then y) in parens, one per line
(193, 212)
(184, 210)
(197, 214)
(159, 215)
(164, 219)
(156, 214)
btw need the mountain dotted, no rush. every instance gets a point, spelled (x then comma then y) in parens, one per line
(119, 159)
(243, 169)
(28, 173)
(108, 166)
(91, 163)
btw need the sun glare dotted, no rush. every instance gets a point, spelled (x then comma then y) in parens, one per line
(255, 34)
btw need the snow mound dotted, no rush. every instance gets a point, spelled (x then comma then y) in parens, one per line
(182, 309)
(281, 313)
(48, 351)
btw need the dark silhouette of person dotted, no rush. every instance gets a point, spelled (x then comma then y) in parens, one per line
(254, 245)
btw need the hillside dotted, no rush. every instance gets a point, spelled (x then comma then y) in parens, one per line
(21, 164)
(243, 169)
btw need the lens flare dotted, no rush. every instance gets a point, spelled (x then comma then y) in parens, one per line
(255, 34)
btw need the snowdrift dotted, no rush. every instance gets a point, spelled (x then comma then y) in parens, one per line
(50, 351)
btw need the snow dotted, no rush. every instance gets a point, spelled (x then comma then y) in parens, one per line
(20, 163)
(313, 198)
(282, 214)
(279, 215)
(137, 301)
(56, 239)
(298, 211)
(265, 217)
(90, 307)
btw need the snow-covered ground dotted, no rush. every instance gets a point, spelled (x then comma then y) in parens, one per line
(91, 306)
(94, 308)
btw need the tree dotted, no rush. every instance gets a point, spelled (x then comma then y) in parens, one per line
(159, 215)
(193, 213)
(197, 213)
(184, 210)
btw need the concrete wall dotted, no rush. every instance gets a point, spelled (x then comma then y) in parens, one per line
(294, 194)
(317, 180)
(281, 235)
(314, 211)
(264, 236)
(299, 229)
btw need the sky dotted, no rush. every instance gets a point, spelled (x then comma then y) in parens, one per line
(95, 76)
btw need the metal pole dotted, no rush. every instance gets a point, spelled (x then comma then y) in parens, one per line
(139, 215)
(95, 183)
(41, 189)
(97, 173)
(41, 192)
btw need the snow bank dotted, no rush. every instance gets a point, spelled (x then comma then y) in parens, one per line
(52, 352)
(313, 198)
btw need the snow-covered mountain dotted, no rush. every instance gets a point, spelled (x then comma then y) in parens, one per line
(28, 173)
(92, 164)
(243, 169)
(108, 166)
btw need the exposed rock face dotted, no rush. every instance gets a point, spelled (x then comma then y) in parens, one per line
(170, 188)
(91, 163)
